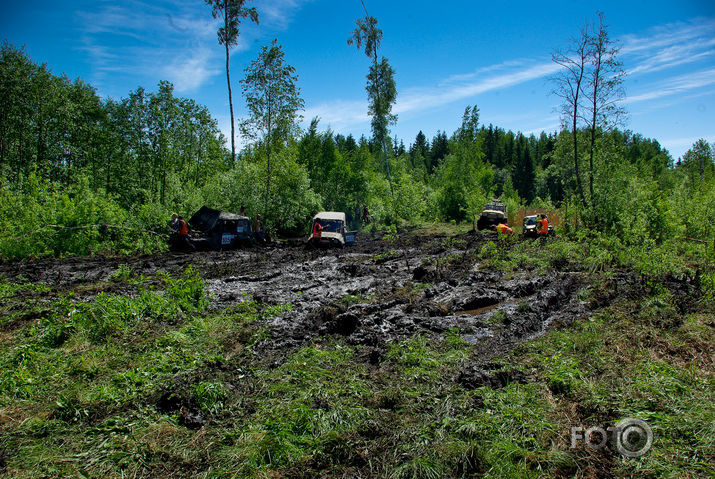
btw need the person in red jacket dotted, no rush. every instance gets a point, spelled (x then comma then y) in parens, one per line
(317, 229)
(183, 232)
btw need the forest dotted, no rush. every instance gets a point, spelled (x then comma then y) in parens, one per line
(69, 158)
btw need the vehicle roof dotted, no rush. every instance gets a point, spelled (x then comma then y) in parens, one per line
(330, 215)
(206, 218)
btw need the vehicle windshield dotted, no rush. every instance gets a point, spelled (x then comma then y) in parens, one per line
(496, 207)
(530, 221)
(331, 226)
(243, 226)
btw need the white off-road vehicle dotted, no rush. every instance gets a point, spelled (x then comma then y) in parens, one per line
(329, 229)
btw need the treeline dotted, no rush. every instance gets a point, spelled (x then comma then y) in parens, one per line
(70, 158)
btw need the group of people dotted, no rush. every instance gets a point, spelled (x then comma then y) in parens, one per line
(542, 226)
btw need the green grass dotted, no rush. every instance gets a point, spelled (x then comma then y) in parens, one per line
(152, 383)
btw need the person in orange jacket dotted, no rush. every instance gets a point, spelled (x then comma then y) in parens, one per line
(504, 229)
(183, 232)
(542, 226)
(317, 229)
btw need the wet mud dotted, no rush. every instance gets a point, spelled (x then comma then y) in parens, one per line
(371, 293)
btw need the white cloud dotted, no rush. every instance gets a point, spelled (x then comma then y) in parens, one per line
(455, 88)
(340, 116)
(278, 14)
(677, 85)
(191, 70)
(668, 46)
(175, 42)
(682, 144)
(664, 36)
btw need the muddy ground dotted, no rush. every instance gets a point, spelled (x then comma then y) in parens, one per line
(371, 293)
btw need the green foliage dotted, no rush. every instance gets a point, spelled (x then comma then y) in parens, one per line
(121, 274)
(293, 202)
(42, 219)
(210, 396)
(463, 177)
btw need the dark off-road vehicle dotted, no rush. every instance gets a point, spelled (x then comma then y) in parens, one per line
(214, 229)
(494, 213)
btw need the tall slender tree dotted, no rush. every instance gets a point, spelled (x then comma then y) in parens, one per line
(231, 11)
(604, 88)
(590, 85)
(569, 87)
(381, 89)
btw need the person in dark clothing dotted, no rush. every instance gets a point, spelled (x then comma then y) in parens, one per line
(257, 230)
(365, 214)
(174, 223)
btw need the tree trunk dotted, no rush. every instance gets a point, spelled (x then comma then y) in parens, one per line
(575, 141)
(596, 80)
(230, 106)
(377, 104)
(269, 137)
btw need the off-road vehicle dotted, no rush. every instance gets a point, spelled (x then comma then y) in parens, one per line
(215, 229)
(328, 229)
(531, 228)
(494, 213)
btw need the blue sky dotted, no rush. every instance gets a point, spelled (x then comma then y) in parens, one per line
(446, 56)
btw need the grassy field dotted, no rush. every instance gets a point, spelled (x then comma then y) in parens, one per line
(139, 377)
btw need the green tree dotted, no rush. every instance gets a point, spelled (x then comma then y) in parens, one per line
(604, 88)
(231, 11)
(590, 85)
(381, 90)
(569, 84)
(698, 160)
(463, 177)
(273, 101)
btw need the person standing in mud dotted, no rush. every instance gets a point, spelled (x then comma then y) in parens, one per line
(183, 232)
(317, 229)
(243, 211)
(542, 226)
(174, 223)
(365, 214)
(257, 232)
